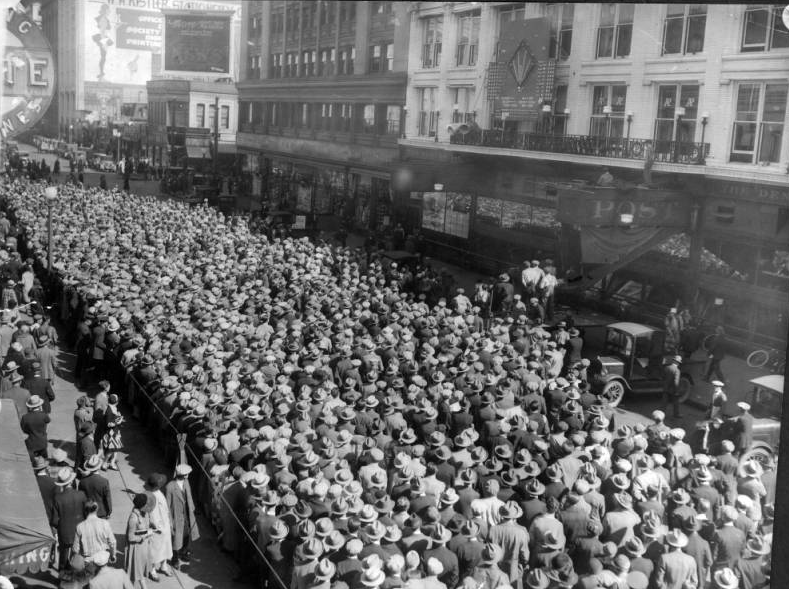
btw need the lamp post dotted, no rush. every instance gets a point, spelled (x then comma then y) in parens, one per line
(629, 116)
(607, 113)
(70, 133)
(704, 119)
(51, 195)
(504, 116)
(679, 113)
(546, 117)
(405, 118)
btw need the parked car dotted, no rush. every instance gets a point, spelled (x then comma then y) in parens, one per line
(94, 159)
(24, 157)
(634, 358)
(107, 164)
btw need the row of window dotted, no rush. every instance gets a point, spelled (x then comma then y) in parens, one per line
(683, 31)
(324, 62)
(757, 131)
(224, 116)
(346, 117)
(288, 20)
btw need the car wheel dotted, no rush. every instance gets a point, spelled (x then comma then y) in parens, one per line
(613, 392)
(685, 387)
(760, 454)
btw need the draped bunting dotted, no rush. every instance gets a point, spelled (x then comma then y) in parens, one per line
(607, 245)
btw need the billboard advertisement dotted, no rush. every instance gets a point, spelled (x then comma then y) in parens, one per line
(197, 43)
(28, 73)
(123, 39)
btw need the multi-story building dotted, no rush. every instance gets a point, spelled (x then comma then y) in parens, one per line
(321, 103)
(514, 109)
(106, 51)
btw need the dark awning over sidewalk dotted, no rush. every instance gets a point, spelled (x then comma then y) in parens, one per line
(26, 541)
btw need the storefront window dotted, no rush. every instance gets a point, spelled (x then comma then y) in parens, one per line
(773, 268)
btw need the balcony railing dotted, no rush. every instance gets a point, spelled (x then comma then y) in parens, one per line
(681, 152)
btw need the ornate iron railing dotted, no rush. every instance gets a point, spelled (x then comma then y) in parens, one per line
(681, 152)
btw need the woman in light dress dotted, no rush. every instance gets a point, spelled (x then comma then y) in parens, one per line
(161, 544)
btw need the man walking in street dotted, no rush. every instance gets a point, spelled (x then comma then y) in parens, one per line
(93, 535)
(182, 512)
(717, 352)
(671, 380)
(96, 487)
(34, 424)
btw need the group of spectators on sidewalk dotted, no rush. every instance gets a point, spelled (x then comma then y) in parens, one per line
(343, 433)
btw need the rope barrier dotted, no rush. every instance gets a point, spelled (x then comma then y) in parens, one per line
(183, 448)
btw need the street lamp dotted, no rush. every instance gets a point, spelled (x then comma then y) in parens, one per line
(504, 116)
(607, 113)
(70, 133)
(546, 115)
(679, 112)
(51, 196)
(629, 116)
(405, 118)
(704, 120)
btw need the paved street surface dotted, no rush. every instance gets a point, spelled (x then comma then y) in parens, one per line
(208, 568)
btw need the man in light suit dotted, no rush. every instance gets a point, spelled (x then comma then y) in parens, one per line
(46, 356)
(182, 513)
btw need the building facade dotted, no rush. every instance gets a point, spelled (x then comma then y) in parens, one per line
(192, 123)
(321, 104)
(515, 108)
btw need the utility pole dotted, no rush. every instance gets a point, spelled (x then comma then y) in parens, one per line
(216, 132)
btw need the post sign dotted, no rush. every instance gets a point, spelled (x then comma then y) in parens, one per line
(197, 43)
(29, 72)
(605, 207)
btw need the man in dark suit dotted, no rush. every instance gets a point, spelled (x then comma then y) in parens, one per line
(34, 424)
(96, 487)
(37, 385)
(717, 352)
(68, 510)
(46, 484)
(744, 428)
(17, 394)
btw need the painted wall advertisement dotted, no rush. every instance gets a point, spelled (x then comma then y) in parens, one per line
(29, 72)
(197, 43)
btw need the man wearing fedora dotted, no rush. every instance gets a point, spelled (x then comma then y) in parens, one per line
(107, 577)
(17, 394)
(37, 385)
(514, 541)
(750, 568)
(671, 382)
(34, 424)
(68, 510)
(96, 487)
(46, 356)
(675, 569)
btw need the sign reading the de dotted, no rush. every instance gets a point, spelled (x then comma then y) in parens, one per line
(28, 73)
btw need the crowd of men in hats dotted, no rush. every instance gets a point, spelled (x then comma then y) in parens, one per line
(341, 433)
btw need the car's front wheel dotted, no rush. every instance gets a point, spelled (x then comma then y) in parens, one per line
(761, 454)
(613, 392)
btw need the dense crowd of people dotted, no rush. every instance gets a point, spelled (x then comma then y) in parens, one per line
(342, 430)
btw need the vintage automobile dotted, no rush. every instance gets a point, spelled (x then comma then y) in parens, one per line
(634, 359)
(765, 399)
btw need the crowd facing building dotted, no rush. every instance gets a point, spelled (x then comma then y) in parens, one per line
(339, 430)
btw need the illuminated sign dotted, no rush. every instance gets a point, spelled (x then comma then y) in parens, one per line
(28, 73)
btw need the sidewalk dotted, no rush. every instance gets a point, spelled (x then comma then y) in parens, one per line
(208, 568)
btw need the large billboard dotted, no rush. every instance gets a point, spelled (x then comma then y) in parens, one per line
(123, 39)
(197, 43)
